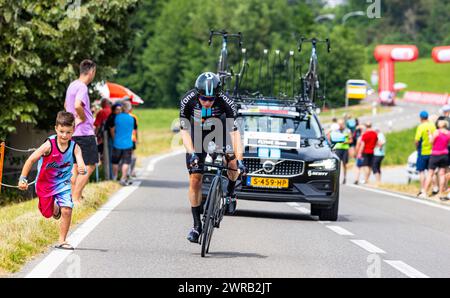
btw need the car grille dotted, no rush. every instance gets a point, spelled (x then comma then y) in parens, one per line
(283, 168)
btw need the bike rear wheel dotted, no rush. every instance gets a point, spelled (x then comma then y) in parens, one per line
(213, 206)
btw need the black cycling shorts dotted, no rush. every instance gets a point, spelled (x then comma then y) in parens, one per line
(200, 168)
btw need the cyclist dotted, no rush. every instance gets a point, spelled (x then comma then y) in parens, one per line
(203, 110)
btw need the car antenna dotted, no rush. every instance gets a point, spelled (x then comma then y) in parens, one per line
(266, 53)
(291, 56)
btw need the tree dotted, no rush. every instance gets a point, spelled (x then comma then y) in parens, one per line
(41, 45)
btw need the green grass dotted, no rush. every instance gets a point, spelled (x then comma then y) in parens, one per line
(155, 135)
(24, 233)
(399, 146)
(423, 75)
(356, 111)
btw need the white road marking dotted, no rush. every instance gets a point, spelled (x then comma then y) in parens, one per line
(340, 231)
(154, 161)
(368, 246)
(324, 222)
(406, 269)
(46, 267)
(418, 201)
(294, 204)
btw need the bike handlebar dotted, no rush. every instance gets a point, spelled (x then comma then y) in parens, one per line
(225, 35)
(314, 42)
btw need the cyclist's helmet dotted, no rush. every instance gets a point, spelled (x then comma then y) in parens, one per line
(208, 84)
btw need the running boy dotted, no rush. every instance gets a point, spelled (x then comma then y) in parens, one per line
(56, 158)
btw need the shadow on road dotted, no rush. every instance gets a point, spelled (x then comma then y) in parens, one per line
(232, 255)
(91, 249)
(274, 215)
(165, 184)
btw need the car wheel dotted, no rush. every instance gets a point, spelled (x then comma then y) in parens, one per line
(315, 211)
(332, 213)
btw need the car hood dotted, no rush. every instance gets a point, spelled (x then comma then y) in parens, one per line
(315, 151)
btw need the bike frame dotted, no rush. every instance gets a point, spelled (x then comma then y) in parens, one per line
(222, 68)
(310, 82)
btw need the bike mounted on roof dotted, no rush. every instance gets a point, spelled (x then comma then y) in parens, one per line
(225, 73)
(310, 83)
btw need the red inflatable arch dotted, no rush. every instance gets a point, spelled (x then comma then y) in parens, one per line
(441, 54)
(386, 56)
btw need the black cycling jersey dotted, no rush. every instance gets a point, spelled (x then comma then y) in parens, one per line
(196, 119)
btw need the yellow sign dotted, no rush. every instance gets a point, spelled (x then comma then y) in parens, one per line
(356, 89)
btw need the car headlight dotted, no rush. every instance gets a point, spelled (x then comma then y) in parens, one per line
(327, 164)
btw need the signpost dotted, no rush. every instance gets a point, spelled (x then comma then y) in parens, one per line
(2, 158)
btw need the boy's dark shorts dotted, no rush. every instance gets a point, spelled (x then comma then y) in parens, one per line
(124, 156)
(89, 149)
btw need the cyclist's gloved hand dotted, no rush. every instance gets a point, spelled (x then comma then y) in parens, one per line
(242, 168)
(194, 160)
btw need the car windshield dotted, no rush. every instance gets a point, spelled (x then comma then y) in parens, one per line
(307, 127)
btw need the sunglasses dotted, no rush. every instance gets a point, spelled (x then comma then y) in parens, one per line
(207, 98)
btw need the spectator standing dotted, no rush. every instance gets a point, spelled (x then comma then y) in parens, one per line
(424, 148)
(440, 140)
(132, 172)
(122, 134)
(78, 103)
(359, 160)
(357, 132)
(99, 123)
(369, 141)
(342, 137)
(378, 155)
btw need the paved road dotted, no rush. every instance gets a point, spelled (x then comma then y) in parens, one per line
(403, 116)
(144, 236)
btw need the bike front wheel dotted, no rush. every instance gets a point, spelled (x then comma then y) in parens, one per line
(213, 206)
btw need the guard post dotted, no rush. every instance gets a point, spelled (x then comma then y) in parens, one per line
(2, 158)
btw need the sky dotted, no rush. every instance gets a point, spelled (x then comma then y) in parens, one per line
(333, 3)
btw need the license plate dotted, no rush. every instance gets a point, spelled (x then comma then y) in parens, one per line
(268, 182)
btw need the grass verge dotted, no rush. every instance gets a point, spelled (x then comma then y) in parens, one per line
(399, 146)
(356, 111)
(24, 233)
(155, 134)
(422, 75)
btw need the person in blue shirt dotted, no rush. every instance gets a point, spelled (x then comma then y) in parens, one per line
(122, 134)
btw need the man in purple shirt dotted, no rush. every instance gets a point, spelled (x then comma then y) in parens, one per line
(78, 103)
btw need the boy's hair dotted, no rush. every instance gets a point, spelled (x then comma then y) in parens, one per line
(86, 66)
(65, 119)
